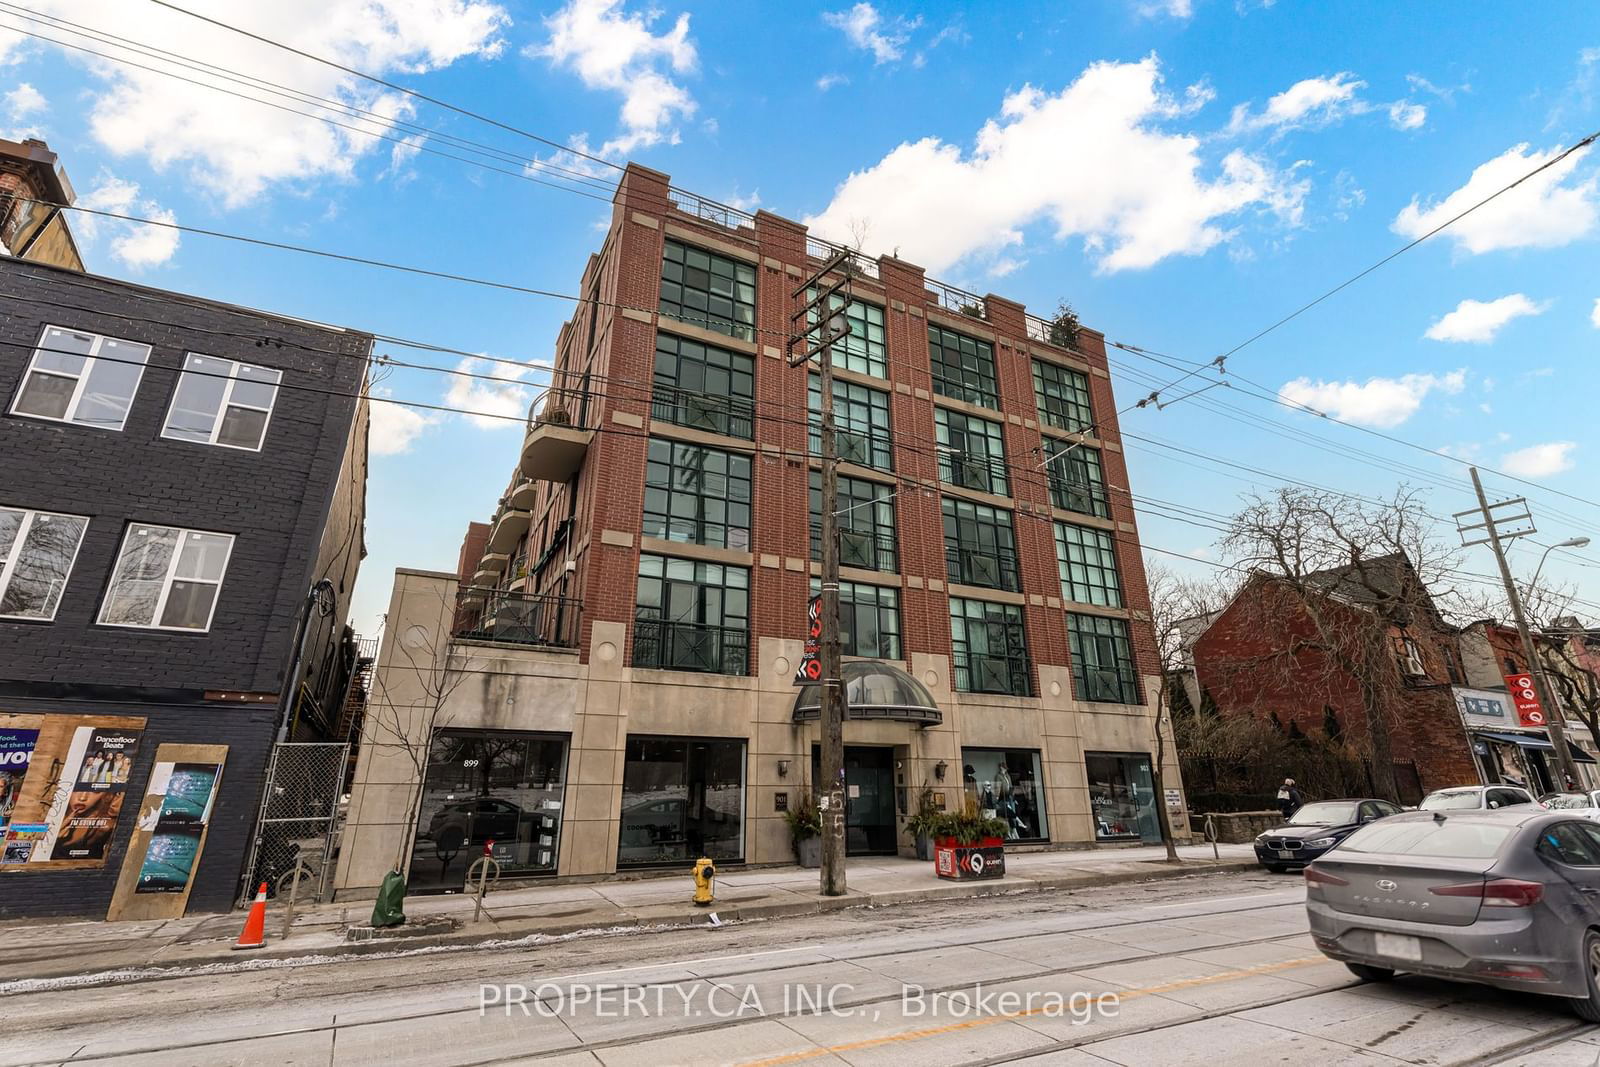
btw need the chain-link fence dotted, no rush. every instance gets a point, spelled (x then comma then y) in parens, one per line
(300, 819)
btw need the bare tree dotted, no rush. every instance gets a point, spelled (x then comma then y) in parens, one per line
(1340, 583)
(1569, 650)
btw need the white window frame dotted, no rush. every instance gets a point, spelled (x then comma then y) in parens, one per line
(167, 580)
(82, 379)
(9, 567)
(227, 400)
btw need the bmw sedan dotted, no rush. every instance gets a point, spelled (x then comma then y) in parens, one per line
(1507, 898)
(1314, 829)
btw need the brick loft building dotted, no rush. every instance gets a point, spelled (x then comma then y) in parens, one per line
(1271, 657)
(607, 680)
(170, 496)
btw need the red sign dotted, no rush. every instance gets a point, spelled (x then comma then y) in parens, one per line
(810, 670)
(1523, 694)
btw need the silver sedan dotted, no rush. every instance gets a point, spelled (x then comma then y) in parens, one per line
(1506, 898)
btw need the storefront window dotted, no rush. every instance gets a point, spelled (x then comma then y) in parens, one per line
(481, 787)
(1008, 784)
(682, 798)
(1122, 797)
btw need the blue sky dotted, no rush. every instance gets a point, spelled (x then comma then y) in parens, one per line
(1183, 171)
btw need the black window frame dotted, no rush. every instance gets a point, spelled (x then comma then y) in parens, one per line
(1007, 622)
(866, 523)
(856, 597)
(1062, 397)
(974, 532)
(952, 377)
(688, 461)
(856, 412)
(1077, 478)
(972, 451)
(678, 258)
(1070, 536)
(865, 350)
(1124, 673)
(707, 402)
(697, 644)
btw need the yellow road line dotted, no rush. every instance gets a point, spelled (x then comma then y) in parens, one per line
(972, 1024)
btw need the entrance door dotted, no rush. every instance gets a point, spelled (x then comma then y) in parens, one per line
(869, 798)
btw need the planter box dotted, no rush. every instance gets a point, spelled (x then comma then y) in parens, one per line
(925, 848)
(809, 852)
(986, 859)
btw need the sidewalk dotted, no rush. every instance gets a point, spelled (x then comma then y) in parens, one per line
(50, 949)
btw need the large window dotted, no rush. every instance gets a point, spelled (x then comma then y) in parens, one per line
(82, 378)
(682, 798)
(707, 290)
(482, 786)
(1063, 397)
(697, 495)
(866, 523)
(869, 619)
(1076, 480)
(167, 578)
(1008, 783)
(860, 419)
(1122, 796)
(972, 451)
(979, 545)
(692, 616)
(989, 647)
(220, 402)
(864, 350)
(36, 553)
(1087, 559)
(963, 367)
(1102, 660)
(703, 387)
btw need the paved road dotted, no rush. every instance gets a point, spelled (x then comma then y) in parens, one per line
(1210, 970)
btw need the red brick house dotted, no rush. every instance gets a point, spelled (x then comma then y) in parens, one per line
(1319, 655)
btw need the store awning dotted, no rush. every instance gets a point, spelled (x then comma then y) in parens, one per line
(1535, 741)
(874, 690)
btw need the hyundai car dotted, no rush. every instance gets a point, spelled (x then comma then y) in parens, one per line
(1315, 828)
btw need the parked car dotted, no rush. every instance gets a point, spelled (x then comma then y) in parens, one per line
(1314, 829)
(1585, 804)
(1476, 798)
(1507, 898)
(475, 820)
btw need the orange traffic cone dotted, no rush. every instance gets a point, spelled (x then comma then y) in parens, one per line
(255, 925)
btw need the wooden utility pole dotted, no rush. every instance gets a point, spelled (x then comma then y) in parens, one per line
(815, 339)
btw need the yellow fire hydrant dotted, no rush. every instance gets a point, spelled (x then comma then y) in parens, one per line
(705, 874)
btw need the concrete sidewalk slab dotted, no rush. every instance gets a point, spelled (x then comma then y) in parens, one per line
(78, 948)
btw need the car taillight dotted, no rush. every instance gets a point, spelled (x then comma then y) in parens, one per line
(1317, 876)
(1495, 893)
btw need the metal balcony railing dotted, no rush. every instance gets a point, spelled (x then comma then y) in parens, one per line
(1051, 333)
(992, 568)
(709, 210)
(673, 645)
(978, 673)
(1109, 685)
(517, 618)
(560, 407)
(1072, 493)
(728, 415)
(958, 300)
(858, 263)
(867, 548)
(970, 470)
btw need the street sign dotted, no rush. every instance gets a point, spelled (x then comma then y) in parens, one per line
(1526, 699)
(810, 671)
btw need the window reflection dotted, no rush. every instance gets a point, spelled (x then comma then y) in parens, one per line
(682, 798)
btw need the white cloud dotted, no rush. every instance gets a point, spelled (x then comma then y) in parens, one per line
(495, 405)
(1381, 402)
(394, 428)
(869, 31)
(1480, 320)
(1177, 9)
(134, 244)
(1539, 461)
(615, 51)
(235, 149)
(1594, 314)
(1404, 115)
(1445, 92)
(1311, 102)
(1144, 200)
(829, 81)
(1543, 212)
(24, 101)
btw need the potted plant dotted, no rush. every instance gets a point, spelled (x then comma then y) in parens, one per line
(1064, 326)
(924, 825)
(969, 845)
(805, 830)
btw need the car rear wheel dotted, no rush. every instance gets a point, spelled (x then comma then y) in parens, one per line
(1588, 1008)
(1369, 973)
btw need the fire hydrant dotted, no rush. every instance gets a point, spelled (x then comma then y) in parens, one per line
(705, 874)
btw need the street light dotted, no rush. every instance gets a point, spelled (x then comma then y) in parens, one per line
(1571, 542)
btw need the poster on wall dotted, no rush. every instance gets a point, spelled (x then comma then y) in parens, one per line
(177, 826)
(62, 783)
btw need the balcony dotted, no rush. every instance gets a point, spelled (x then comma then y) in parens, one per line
(523, 495)
(556, 443)
(517, 618)
(491, 567)
(992, 568)
(666, 644)
(972, 470)
(509, 527)
(867, 549)
(975, 672)
(730, 416)
(1107, 685)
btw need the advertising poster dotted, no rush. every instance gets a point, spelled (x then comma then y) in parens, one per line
(16, 749)
(187, 791)
(97, 787)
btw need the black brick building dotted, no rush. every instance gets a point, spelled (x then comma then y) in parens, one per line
(175, 476)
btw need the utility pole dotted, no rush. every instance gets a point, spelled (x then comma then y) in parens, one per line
(815, 339)
(1487, 531)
